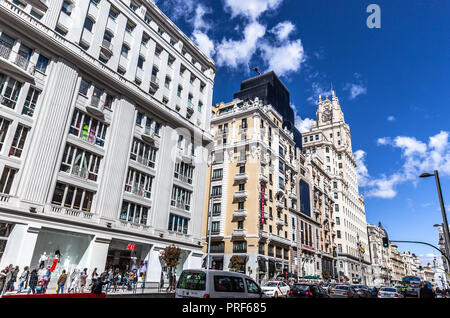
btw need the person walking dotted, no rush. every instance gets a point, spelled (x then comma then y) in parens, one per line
(47, 276)
(61, 282)
(3, 274)
(8, 278)
(110, 279)
(83, 277)
(74, 278)
(23, 280)
(34, 277)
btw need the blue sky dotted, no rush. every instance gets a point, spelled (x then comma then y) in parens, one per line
(393, 85)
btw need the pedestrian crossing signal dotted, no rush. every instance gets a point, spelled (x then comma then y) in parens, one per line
(385, 242)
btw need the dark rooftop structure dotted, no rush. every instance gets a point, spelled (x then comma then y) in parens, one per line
(269, 88)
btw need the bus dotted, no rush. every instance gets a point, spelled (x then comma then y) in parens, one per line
(412, 285)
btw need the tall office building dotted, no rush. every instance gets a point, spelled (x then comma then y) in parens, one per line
(330, 139)
(104, 120)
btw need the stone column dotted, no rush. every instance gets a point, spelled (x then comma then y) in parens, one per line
(20, 247)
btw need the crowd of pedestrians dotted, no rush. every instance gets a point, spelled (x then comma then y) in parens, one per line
(36, 281)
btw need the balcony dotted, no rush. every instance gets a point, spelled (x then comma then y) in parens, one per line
(22, 62)
(279, 239)
(280, 205)
(123, 63)
(154, 83)
(240, 214)
(111, 26)
(5, 50)
(94, 106)
(263, 178)
(279, 222)
(151, 136)
(128, 39)
(64, 22)
(242, 159)
(241, 177)
(190, 107)
(238, 233)
(240, 195)
(93, 12)
(139, 74)
(106, 49)
(292, 195)
(143, 51)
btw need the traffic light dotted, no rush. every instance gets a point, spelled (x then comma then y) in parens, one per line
(385, 242)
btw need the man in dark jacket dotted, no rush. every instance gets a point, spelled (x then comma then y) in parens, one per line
(34, 277)
(425, 292)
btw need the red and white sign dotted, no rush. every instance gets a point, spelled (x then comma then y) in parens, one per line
(262, 205)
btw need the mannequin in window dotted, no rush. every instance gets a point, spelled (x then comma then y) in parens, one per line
(42, 260)
(55, 260)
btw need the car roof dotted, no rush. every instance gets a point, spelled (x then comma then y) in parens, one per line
(216, 271)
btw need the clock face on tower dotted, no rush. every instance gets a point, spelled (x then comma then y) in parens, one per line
(326, 115)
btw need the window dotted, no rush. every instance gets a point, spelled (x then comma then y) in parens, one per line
(241, 205)
(228, 284)
(4, 125)
(147, 19)
(216, 191)
(215, 227)
(88, 24)
(336, 207)
(217, 208)
(139, 118)
(334, 185)
(139, 183)
(143, 153)
(84, 87)
(19, 140)
(140, 63)
(35, 14)
(178, 224)
(66, 8)
(184, 172)
(88, 129)
(338, 221)
(158, 50)
(7, 180)
(239, 247)
(124, 51)
(80, 163)
(30, 102)
(200, 106)
(181, 198)
(113, 13)
(42, 64)
(129, 27)
(170, 60)
(338, 234)
(134, 213)
(9, 91)
(167, 82)
(72, 197)
(180, 89)
(108, 101)
(217, 174)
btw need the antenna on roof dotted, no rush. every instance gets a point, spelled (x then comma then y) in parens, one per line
(257, 70)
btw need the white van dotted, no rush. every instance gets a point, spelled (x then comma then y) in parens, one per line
(202, 283)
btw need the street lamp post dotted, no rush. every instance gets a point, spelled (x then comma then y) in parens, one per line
(444, 215)
(208, 260)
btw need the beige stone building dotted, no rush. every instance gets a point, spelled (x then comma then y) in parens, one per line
(379, 255)
(252, 176)
(397, 268)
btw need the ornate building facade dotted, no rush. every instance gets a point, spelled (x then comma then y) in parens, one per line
(330, 139)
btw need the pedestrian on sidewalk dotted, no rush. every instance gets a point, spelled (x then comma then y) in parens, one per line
(3, 274)
(8, 278)
(61, 282)
(83, 277)
(47, 276)
(23, 280)
(74, 279)
(425, 292)
(34, 277)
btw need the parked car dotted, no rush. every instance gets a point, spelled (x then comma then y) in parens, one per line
(308, 291)
(276, 289)
(362, 290)
(202, 283)
(389, 292)
(343, 291)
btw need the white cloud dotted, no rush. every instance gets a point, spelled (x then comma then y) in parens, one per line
(303, 125)
(317, 89)
(283, 29)
(391, 118)
(418, 157)
(236, 53)
(361, 169)
(251, 9)
(205, 44)
(284, 59)
(355, 90)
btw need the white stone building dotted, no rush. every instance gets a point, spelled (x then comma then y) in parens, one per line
(379, 256)
(330, 138)
(104, 118)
